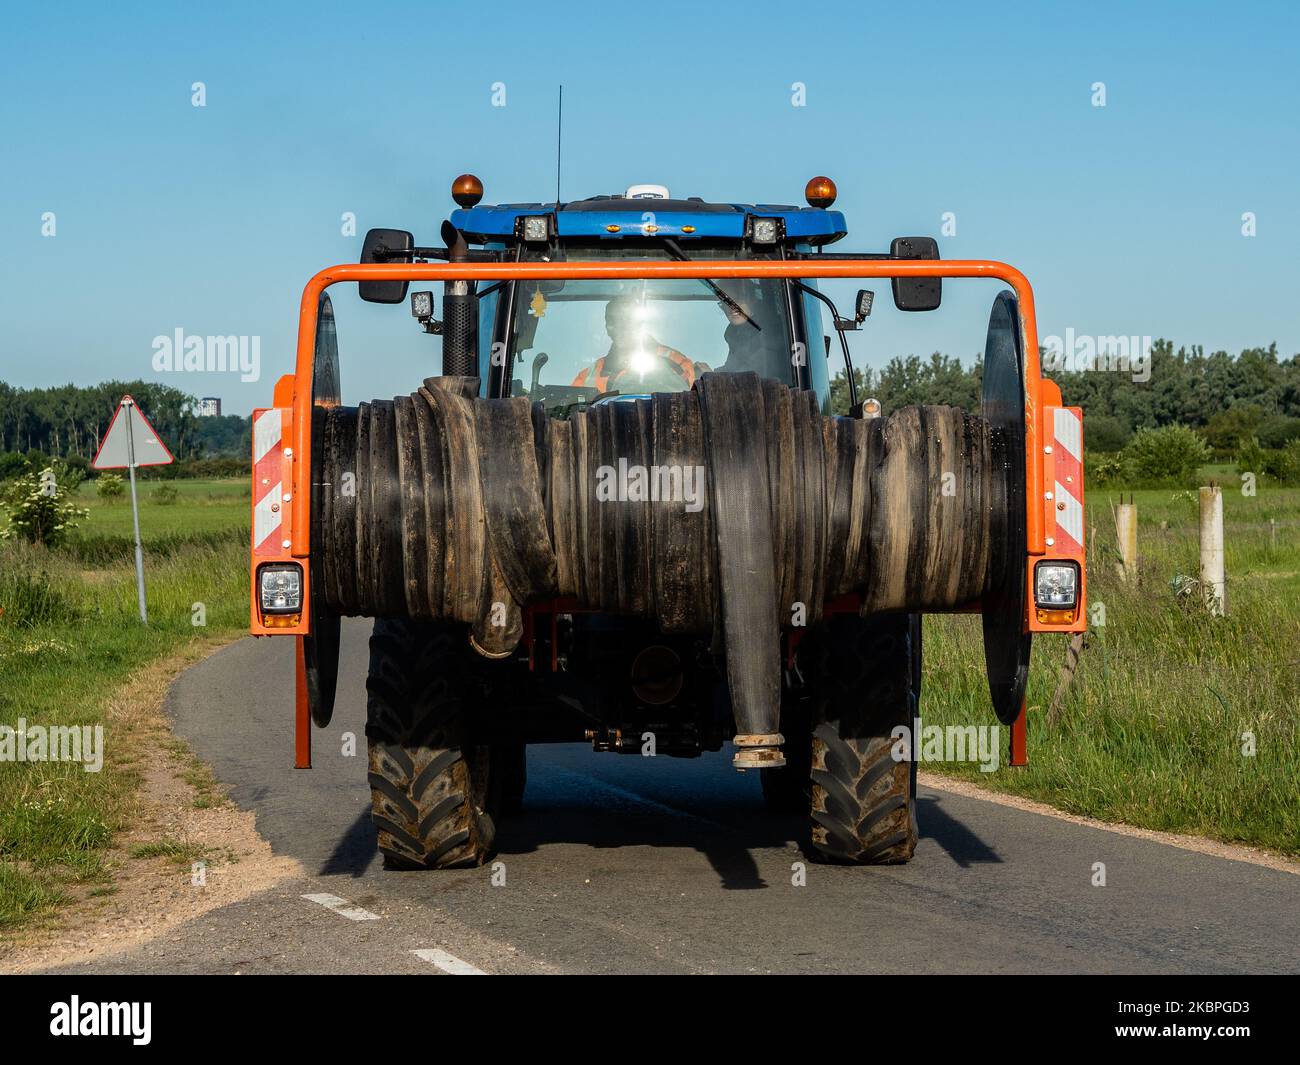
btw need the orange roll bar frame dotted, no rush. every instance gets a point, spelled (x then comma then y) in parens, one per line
(301, 711)
(712, 269)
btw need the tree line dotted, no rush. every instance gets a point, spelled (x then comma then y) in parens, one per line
(1228, 399)
(68, 421)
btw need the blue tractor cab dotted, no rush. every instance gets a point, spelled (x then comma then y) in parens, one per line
(621, 219)
(570, 344)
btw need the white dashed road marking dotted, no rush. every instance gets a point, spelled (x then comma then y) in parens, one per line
(342, 907)
(448, 963)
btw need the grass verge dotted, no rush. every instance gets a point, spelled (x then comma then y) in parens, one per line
(70, 642)
(1167, 703)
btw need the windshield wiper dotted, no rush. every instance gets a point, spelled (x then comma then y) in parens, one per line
(681, 256)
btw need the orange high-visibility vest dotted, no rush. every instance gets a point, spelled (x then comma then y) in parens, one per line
(600, 380)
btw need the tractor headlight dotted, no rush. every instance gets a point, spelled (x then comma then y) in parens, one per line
(1056, 585)
(765, 231)
(422, 305)
(280, 589)
(536, 228)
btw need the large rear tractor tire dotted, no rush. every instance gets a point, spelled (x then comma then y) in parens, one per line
(864, 674)
(432, 795)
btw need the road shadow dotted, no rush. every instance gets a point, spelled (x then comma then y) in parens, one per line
(960, 844)
(728, 848)
(356, 850)
(720, 815)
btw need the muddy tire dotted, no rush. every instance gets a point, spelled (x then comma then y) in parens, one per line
(865, 677)
(432, 799)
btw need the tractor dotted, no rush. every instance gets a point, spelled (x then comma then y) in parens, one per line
(626, 513)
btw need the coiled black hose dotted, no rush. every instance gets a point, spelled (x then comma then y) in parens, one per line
(735, 508)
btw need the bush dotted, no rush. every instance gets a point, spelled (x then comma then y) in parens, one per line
(210, 468)
(1170, 455)
(12, 464)
(1103, 469)
(1279, 464)
(165, 495)
(1278, 430)
(1284, 464)
(41, 510)
(1252, 458)
(16, 463)
(1230, 429)
(1103, 432)
(110, 486)
(69, 473)
(77, 465)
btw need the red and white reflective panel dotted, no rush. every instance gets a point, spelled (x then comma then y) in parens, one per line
(268, 482)
(1067, 428)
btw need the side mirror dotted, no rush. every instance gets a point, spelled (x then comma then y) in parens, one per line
(385, 246)
(916, 293)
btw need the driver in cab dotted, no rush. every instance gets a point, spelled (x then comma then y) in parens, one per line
(635, 357)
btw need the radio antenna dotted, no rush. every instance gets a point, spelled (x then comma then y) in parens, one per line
(559, 129)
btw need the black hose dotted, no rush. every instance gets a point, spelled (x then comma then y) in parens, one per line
(469, 509)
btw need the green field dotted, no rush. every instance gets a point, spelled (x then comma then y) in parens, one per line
(70, 639)
(206, 506)
(1151, 730)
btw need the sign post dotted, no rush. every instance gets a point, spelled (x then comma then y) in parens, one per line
(131, 441)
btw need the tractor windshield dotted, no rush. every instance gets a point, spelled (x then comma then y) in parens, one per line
(575, 341)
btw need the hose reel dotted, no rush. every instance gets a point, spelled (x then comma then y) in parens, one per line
(321, 647)
(732, 509)
(1007, 642)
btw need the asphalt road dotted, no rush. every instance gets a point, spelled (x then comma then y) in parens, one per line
(627, 864)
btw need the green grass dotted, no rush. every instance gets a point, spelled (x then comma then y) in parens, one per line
(1151, 730)
(24, 896)
(180, 853)
(202, 506)
(1261, 534)
(70, 639)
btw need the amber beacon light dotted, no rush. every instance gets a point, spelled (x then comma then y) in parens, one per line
(820, 192)
(467, 190)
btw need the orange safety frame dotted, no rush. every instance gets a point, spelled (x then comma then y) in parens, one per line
(639, 270)
(293, 393)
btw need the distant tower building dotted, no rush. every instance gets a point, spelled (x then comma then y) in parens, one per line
(210, 407)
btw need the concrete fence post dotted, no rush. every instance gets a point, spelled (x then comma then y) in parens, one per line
(1212, 579)
(1126, 532)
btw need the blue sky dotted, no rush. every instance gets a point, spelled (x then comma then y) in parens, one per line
(1126, 218)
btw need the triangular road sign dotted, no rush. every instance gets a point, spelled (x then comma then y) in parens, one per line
(130, 441)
